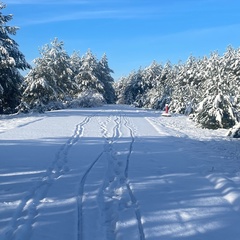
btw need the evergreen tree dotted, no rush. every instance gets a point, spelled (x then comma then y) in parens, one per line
(50, 82)
(120, 87)
(216, 109)
(187, 88)
(232, 69)
(87, 77)
(144, 88)
(104, 75)
(146, 81)
(11, 61)
(159, 92)
(216, 112)
(75, 62)
(132, 88)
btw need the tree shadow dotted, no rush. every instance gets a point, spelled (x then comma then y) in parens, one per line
(169, 177)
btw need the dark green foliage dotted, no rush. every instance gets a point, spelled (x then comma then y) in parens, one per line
(11, 61)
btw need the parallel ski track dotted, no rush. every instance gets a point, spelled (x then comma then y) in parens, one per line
(133, 198)
(80, 196)
(114, 139)
(112, 176)
(106, 148)
(82, 185)
(23, 219)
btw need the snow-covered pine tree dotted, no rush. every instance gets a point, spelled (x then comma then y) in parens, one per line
(145, 88)
(50, 82)
(11, 61)
(216, 109)
(232, 69)
(87, 76)
(134, 88)
(160, 94)
(119, 87)
(87, 79)
(104, 75)
(124, 89)
(75, 62)
(149, 86)
(187, 86)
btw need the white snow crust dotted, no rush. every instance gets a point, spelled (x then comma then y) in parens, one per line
(116, 172)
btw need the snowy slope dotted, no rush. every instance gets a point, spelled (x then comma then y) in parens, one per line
(116, 172)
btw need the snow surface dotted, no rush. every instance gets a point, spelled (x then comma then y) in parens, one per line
(116, 172)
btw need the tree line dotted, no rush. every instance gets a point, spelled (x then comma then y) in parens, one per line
(58, 80)
(207, 89)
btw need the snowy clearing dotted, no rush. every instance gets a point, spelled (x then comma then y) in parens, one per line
(116, 172)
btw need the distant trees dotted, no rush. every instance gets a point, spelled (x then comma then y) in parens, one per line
(150, 87)
(58, 80)
(11, 61)
(207, 88)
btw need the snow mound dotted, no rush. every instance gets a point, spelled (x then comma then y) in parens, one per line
(235, 131)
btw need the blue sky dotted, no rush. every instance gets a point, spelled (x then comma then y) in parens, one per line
(132, 33)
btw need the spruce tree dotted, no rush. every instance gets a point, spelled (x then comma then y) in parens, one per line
(87, 78)
(216, 109)
(50, 82)
(153, 86)
(104, 75)
(11, 62)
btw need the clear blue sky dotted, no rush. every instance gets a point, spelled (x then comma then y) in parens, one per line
(132, 33)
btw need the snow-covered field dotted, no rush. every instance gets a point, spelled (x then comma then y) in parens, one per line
(116, 172)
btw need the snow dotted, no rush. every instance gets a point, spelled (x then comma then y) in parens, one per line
(116, 172)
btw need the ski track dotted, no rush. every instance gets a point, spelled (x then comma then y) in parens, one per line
(117, 179)
(115, 185)
(82, 187)
(108, 196)
(21, 224)
(133, 198)
(80, 197)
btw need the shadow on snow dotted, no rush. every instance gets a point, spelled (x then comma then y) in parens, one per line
(168, 176)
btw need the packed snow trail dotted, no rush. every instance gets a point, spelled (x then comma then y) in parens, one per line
(116, 172)
(22, 221)
(116, 190)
